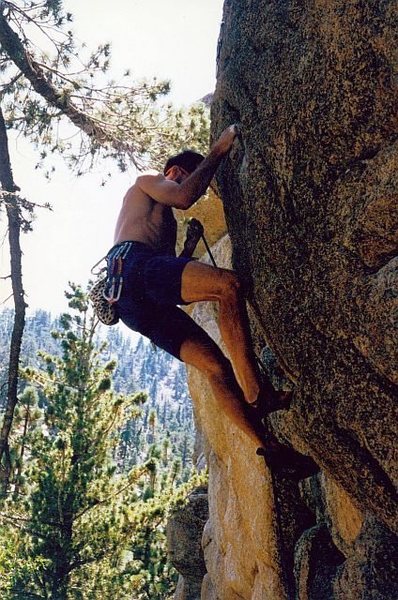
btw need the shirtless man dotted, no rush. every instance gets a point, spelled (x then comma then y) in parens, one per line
(155, 281)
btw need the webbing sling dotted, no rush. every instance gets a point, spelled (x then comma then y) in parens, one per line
(208, 250)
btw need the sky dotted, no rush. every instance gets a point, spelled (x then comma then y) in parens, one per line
(174, 40)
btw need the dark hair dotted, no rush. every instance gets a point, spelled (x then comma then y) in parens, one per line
(188, 160)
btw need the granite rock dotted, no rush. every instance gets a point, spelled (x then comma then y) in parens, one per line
(260, 542)
(371, 573)
(310, 195)
(184, 541)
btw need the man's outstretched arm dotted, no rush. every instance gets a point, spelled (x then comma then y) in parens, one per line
(183, 195)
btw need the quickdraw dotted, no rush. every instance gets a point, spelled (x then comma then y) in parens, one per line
(100, 271)
(114, 260)
(114, 264)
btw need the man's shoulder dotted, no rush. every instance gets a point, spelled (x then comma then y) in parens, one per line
(138, 191)
(151, 173)
(148, 179)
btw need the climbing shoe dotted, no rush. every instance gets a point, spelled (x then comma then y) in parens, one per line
(286, 461)
(270, 400)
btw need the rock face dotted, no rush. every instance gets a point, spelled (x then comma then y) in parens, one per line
(270, 538)
(240, 537)
(310, 194)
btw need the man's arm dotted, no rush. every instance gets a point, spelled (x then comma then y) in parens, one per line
(183, 195)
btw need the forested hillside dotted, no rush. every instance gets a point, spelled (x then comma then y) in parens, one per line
(95, 432)
(101, 451)
(139, 367)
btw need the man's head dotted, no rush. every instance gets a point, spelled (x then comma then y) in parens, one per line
(188, 161)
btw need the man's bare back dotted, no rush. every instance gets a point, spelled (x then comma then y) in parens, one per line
(143, 219)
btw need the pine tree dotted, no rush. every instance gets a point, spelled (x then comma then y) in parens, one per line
(76, 505)
(79, 527)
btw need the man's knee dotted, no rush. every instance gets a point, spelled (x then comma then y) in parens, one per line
(218, 368)
(230, 284)
(201, 352)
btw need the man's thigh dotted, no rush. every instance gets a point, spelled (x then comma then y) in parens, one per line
(167, 326)
(203, 282)
(162, 279)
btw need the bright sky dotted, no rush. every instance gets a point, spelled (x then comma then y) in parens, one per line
(173, 40)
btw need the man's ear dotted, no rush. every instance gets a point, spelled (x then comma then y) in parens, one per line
(173, 172)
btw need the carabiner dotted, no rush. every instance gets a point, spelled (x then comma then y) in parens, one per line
(96, 265)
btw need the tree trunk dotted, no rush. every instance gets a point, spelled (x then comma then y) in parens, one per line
(18, 473)
(14, 230)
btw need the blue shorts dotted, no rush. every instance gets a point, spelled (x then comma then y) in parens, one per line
(149, 297)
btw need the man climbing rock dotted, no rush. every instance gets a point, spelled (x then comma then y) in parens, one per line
(155, 282)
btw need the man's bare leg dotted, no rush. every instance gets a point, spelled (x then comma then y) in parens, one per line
(202, 353)
(202, 282)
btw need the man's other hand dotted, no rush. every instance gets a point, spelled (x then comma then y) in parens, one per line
(193, 235)
(194, 229)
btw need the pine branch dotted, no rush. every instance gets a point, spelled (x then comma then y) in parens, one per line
(4, 88)
(15, 522)
(140, 472)
(12, 44)
(28, 520)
